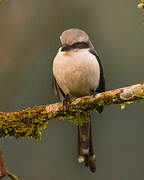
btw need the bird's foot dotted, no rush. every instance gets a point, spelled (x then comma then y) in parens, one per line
(99, 108)
(66, 102)
(92, 92)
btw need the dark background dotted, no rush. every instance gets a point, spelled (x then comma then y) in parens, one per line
(29, 39)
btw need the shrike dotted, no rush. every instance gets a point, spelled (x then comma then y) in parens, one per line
(77, 71)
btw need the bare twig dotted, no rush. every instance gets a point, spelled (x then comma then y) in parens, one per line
(3, 171)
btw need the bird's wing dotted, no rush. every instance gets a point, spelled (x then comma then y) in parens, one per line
(101, 87)
(57, 89)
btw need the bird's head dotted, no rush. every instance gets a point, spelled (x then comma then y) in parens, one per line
(74, 39)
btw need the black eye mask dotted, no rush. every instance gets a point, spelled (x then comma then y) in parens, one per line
(78, 45)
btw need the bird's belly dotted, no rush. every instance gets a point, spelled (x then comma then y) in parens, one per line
(77, 75)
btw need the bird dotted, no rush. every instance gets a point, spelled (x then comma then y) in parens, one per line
(77, 72)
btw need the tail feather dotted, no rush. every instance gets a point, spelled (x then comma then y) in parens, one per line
(85, 146)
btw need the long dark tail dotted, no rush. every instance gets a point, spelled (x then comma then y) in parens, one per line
(85, 146)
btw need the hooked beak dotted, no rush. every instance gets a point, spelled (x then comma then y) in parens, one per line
(65, 47)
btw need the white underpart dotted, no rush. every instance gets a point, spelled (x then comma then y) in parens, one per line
(76, 71)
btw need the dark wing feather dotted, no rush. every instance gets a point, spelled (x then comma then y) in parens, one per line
(101, 87)
(57, 89)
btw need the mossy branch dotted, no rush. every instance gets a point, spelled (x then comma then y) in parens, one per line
(29, 122)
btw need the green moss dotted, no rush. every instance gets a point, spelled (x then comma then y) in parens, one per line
(30, 122)
(27, 123)
(79, 118)
(139, 95)
(141, 5)
(101, 103)
(123, 105)
(76, 114)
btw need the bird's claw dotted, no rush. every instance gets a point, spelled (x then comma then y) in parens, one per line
(66, 102)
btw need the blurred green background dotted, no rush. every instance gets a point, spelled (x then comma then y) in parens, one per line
(29, 39)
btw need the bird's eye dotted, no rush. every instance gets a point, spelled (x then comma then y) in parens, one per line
(65, 47)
